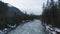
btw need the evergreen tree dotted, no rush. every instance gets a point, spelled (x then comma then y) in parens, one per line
(51, 13)
(3, 10)
(3, 7)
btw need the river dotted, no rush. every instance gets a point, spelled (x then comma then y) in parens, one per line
(32, 27)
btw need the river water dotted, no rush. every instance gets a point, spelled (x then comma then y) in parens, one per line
(32, 27)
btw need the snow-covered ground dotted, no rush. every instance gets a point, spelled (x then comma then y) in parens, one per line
(32, 27)
(52, 30)
(5, 30)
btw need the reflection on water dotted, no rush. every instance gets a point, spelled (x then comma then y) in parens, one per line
(32, 27)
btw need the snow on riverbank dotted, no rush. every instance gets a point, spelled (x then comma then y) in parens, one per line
(5, 30)
(32, 27)
(52, 30)
(11, 27)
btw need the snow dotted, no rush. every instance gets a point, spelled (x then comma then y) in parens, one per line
(56, 29)
(52, 30)
(5, 30)
(1, 32)
(23, 21)
(9, 5)
(12, 26)
(32, 27)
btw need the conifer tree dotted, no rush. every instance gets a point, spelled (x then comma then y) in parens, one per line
(51, 13)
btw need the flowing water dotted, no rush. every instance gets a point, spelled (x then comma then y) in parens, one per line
(32, 27)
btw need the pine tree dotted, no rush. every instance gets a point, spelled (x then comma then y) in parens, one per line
(51, 14)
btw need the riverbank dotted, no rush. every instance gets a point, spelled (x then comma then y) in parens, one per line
(12, 27)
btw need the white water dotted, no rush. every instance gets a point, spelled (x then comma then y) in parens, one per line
(32, 27)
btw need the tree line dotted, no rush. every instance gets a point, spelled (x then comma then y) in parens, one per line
(51, 13)
(9, 15)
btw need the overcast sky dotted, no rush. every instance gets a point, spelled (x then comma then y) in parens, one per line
(30, 6)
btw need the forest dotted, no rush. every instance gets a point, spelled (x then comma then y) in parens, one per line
(51, 13)
(12, 16)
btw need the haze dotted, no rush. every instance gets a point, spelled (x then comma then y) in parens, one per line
(29, 6)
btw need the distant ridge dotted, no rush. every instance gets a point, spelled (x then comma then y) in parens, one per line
(14, 9)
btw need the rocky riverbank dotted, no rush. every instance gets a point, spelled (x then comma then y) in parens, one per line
(11, 27)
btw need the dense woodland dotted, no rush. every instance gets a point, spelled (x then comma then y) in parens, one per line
(12, 15)
(51, 13)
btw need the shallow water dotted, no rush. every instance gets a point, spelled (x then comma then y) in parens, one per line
(32, 27)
